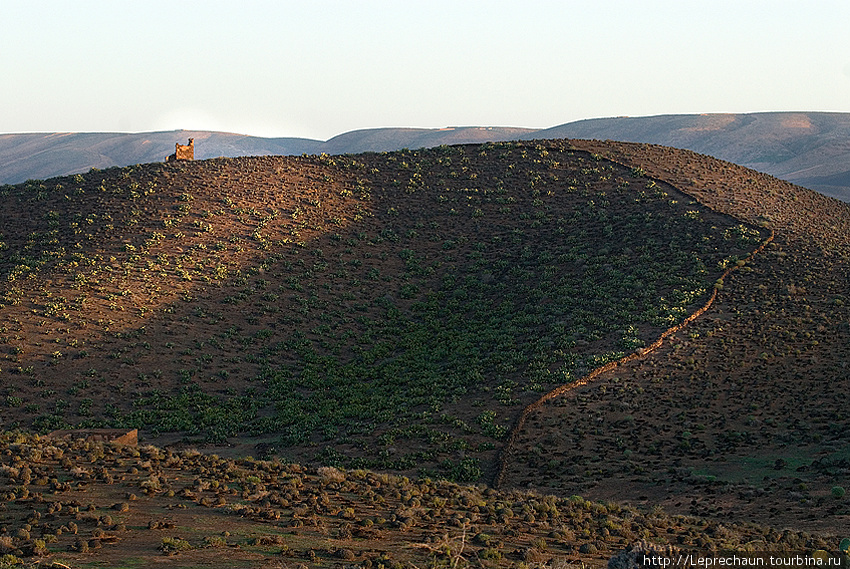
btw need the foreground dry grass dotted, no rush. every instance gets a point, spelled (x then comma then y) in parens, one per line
(95, 504)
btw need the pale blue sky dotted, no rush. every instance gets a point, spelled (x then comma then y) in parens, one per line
(320, 68)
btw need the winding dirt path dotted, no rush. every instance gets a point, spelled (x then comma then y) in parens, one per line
(507, 451)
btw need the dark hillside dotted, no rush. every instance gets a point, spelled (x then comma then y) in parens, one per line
(381, 310)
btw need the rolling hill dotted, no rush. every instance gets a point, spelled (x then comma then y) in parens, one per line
(411, 312)
(415, 298)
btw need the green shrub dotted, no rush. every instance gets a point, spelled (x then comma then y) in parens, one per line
(9, 560)
(490, 553)
(838, 492)
(174, 544)
(539, 544)
(466, 470)
(39, 547)
(215, 541)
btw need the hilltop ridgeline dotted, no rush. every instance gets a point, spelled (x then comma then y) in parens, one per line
(807, 148)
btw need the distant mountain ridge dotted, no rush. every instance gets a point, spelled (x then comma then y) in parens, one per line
(811, 149)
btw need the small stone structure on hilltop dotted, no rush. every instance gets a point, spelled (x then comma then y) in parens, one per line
(182, 151)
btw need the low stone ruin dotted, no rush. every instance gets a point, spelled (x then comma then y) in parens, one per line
(182, 151)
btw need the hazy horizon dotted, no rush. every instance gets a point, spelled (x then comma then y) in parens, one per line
(287, 69)
(400, 127)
